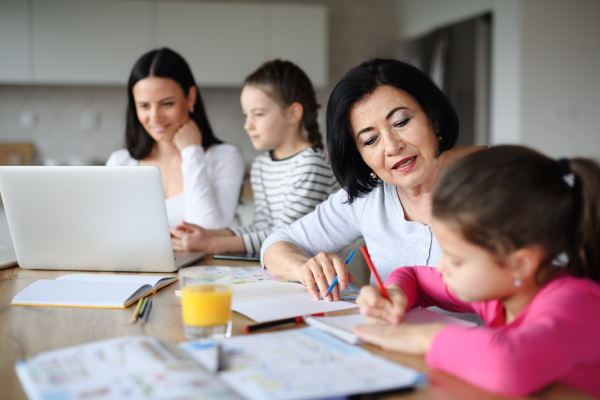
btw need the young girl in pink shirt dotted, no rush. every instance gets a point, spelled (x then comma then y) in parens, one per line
(503, 218)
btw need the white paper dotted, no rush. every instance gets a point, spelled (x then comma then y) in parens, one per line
(264, 290)
(302, 364)
(281, 307)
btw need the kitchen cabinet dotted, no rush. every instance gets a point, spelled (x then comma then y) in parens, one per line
(14, 41)
(96, 42)
(88, 42)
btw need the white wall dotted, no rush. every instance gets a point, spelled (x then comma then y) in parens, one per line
(561, 77)
(418, 17)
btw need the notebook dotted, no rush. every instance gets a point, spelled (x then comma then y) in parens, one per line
(90, 290)
(294, 364)
(341, 326)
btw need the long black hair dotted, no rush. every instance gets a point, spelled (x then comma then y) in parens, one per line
(162, 63)
(348, 166)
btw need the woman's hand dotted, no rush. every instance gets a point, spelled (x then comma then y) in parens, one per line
(188, 134)
(377, 310)
(189, 237)
(404, 338)
(320, 271)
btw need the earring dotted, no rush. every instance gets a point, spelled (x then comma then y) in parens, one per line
(517, 282)
(373, 174)
(191, 110)
(439, 138)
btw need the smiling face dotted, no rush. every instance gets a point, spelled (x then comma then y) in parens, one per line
(161, 106)
(266, 122)
(395, 137)
(470, 271)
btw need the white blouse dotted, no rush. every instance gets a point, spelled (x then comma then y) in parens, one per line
(212, 181)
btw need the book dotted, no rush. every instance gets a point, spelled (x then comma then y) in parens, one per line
(341, 326)
(295, 364)
(91, 290)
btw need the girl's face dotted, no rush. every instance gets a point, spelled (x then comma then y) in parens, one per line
(267, 123)
(395, 137)
(469, 270)
(161, 106)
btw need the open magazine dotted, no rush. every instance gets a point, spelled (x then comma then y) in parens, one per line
(294, 364)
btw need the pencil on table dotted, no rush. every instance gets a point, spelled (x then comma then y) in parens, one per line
(146, 313)
(136, 312)
(143, 307)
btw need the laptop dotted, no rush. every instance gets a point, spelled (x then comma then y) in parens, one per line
(89, 219)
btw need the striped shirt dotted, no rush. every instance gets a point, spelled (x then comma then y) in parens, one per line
(285, 190)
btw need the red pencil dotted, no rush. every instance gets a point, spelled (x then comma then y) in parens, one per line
(372, 268)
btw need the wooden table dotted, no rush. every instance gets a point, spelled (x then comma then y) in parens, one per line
(27, 331)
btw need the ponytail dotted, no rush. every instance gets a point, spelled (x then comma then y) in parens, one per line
(585, 254)
(511, 197)
(288, 84)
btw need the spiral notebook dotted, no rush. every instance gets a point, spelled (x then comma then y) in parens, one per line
(90, 290)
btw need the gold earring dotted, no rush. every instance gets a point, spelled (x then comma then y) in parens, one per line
(439, 138)
(373, 174)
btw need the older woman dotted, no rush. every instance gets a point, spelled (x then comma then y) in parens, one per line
(390, 133)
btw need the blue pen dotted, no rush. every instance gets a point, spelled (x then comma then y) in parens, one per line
(335, 280)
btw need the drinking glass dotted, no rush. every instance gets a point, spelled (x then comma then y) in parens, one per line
(206, 301)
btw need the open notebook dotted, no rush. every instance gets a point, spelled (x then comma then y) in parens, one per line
(90, 290)
(341, 326)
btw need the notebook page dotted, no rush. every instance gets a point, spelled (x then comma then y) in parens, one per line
(281, 307)
(116, 278)
(264, 290)
(130, 367)
(76, 293)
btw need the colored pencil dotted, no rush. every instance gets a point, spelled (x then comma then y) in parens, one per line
(146, 313)
(374, 272)
(136, 312)
(143, 307)
(335, 280)
(280, 322)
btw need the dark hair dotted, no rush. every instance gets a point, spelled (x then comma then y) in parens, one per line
(162, 63)
(510, 197)
(348, 166)
(287, 84)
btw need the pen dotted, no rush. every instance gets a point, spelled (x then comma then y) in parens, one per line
(281, 322)
(335, 280)
(136, 312)
(146, 313)
(372, 268)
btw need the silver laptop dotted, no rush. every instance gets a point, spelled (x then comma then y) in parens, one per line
(89, 218)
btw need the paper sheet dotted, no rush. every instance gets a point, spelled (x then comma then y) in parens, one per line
(253, 274)
(295, 305)
(264, 290)
(302, 364)
(133, 367)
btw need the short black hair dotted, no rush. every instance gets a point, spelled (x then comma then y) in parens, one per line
(349, 168)
(162, 63)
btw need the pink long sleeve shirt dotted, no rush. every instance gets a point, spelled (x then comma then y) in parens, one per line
(556, 338)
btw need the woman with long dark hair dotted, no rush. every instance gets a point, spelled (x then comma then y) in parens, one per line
(167, 127)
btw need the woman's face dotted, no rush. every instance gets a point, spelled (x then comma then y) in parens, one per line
(395, 137)
(161, 106)
(266, 122)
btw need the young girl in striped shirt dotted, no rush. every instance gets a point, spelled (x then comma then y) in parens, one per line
(503, 218)
(288, 180)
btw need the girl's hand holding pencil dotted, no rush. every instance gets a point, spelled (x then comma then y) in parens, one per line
(377, 309)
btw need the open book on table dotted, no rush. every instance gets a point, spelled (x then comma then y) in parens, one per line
(292, 364)
(91, 290)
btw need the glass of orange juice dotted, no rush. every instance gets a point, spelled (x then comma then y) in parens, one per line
(206, 301)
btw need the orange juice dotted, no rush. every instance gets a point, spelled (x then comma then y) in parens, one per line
(206, 305)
